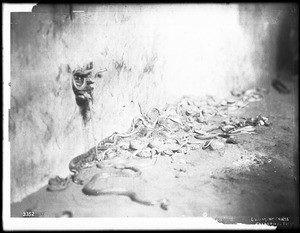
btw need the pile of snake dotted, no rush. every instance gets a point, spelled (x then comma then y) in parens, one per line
(179, 128)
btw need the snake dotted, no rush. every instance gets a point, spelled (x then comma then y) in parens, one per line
(89, 158)
(89, 189)
(141, 118)
(83, 161)
(245, 129)
(78, 163)
(58, 184)
(82, 75)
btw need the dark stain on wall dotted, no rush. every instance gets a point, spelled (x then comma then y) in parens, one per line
(119, 65)
(63, 80)
(59, 73)
(11, 126)
(56, 92)
(288, 39)
(62, 15)
(40, 27)
(84, 111)
(105, 52)
(49, 122)
(121, 17)
(15, 106)
(150, 63)
(27, 61)
(82, 85)
(65, 43)
(70, 127)
(71, 14)
(47, 135)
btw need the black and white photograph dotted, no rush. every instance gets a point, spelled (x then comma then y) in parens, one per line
(123, 116)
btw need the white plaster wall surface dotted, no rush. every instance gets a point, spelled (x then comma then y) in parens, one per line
(154, 54)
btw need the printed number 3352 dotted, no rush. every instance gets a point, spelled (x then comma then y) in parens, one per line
(28, 214)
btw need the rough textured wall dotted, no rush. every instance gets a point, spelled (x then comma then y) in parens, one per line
(153, 53)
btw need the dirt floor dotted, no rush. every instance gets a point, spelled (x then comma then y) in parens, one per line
(254, 181)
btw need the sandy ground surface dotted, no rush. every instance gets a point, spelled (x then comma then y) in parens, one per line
(254, 181)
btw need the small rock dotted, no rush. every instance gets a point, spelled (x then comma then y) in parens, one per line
(180, 169)
(227, 128)
(136, 145)
(241, 104)
(143, 132)
(182, 161)
(231, 141)
(155, 143)
(186, 128)
(164, 204)
(178, 154)
(104, 164)
(111, 155)
(144, 154)
(66, 214)
(124, 145)
(201, 119)
(200, 132)
(236, 92)
(168, 152)
(231, 101)
(224, 103)
(216, 145)
(233, 108)
(249, 92)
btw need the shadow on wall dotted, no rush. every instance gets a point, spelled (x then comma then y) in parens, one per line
(56, 10)
(288, 41)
